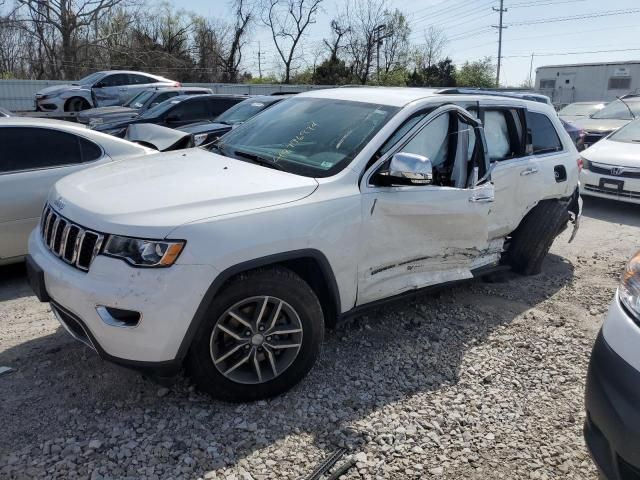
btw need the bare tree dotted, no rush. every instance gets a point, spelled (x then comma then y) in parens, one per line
(64, 21)
(337, 33)
(395, 50)
(364, 20)
(288, 20)
(431, 52)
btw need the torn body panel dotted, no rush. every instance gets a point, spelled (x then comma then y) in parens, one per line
(421, 236)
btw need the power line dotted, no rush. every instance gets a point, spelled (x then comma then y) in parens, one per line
(575, 53)
(606, 13)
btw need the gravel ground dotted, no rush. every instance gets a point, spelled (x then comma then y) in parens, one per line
(484, 380)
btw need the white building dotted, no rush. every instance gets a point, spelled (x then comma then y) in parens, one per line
(582, 82)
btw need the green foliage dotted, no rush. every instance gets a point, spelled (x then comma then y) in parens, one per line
(441, 74)
(394, 78)
(332, 71)
(480, 73)
(266, 79)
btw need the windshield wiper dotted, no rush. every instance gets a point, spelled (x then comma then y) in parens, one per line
(633, 115)
(265, 162)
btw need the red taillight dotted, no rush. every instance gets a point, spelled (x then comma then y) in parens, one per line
(580, 163)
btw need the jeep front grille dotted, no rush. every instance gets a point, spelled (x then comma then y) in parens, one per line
(72, 243)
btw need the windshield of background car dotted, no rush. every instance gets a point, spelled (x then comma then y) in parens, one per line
(243, 111)
(629, 133)
(138, 101)
(618, 110)
(90, 79)
(160, 108)
(314, 137)
(578, 109)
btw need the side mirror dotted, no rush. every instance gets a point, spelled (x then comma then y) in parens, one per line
(411, 168)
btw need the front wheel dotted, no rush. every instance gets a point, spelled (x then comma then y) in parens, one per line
(76, 104)
(261, 335)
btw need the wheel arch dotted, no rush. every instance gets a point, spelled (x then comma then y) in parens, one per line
(75, 97)
(310, 264)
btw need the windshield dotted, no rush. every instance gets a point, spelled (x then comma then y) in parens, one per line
(581, 109)
(138, 101)
(160, 108)
(91, 79)
(630, 133)
(315, 137)
(242, 112)
(618, 110)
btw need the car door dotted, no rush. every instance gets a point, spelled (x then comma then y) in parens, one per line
(505, 133)
(187, 111)
(111, 90)
(32, 159)
(414, 236)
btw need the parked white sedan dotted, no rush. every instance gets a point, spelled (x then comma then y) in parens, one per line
(612, 166)
(34, 154)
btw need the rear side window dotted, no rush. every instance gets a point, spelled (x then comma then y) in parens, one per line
(191, 110)
(221, 105)
(136, 79)
(115, 80)
(25, 148)
(163, 96)
(544, 137)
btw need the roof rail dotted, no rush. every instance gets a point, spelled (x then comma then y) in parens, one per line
(524, 95)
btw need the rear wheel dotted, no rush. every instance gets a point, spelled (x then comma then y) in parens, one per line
(261, 336)
(532, 240)
(76, 104)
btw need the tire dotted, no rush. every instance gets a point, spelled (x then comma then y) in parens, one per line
(532, 240)
(232, 339)
(76, 104)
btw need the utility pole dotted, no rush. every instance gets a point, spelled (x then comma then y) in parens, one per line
(500, 27)
(378, 38)
(531, 70)
(259, 61)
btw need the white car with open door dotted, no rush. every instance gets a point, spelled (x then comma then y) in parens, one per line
(35, 154)
(231, 261)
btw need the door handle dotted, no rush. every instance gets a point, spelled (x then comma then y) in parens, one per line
(482, 199)
(528, 171)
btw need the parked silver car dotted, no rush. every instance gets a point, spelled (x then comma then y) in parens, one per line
(34, 155)
(577, 110)
(100, 89)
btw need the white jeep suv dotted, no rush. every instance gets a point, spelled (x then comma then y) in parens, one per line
(231, 261)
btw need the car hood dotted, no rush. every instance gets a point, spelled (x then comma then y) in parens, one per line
(149, 196)
(107, 111)
(599, 125)
(206, 127)
(119, 123)
(572, 118)
(55, 89)
(610, 152)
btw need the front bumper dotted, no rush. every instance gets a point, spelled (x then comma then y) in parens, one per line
(608, 186)
(52, 105)
(166, 298)
(612, 427)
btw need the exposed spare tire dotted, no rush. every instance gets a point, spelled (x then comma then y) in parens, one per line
(532, 240)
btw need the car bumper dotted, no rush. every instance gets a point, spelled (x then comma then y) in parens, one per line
(612, 400)
(52, 105)
(166, 299)
(607, 186)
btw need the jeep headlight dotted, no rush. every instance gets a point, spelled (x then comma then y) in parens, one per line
(629, 289)
(143, 253)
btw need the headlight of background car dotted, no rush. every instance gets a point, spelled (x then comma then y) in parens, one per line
(629, 290)
(143, 253)
(200, 138)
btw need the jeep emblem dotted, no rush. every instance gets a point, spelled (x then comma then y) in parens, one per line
(59, 203)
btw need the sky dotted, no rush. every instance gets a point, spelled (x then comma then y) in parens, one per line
(555, 31)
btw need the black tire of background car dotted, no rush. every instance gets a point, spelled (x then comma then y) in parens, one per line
(76, 104)
(532, 240)
(274, 281)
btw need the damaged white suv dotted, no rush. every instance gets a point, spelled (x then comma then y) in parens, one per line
(231, 261)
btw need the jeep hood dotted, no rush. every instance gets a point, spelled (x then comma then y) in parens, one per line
(610, 152)
(599, 124)
(150, 196)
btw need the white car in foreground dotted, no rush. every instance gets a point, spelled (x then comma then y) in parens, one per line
(612, 396)
(100, 89)
(233, 260)
(34, 154)
(611, 167)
